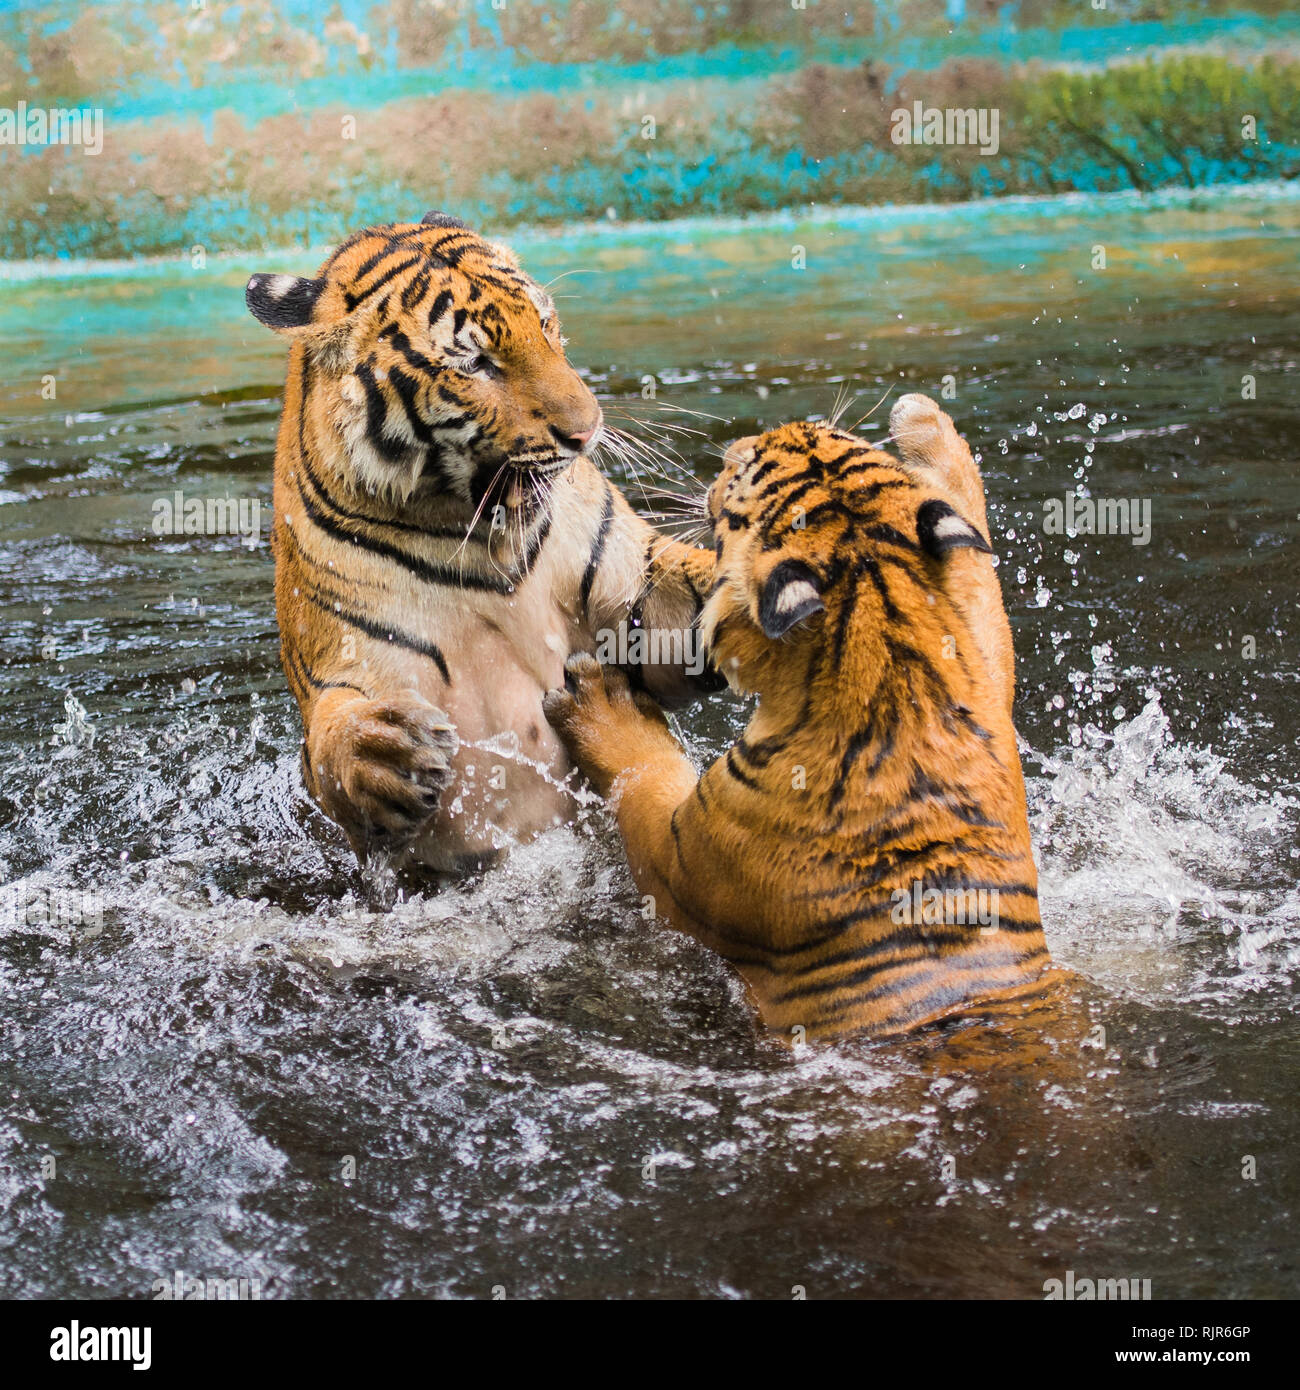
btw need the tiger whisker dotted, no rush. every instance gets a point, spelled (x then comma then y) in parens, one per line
(844, 397)
(473, 522)
(682, 409)
(579, 270)
(621, 406)
(632, 449)
(657, 463)
(857, 424)
(649, 490)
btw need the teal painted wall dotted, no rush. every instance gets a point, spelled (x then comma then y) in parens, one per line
(257, 124)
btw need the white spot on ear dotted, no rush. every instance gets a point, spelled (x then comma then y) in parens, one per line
(947, 527)
(281, 285)
(793, 595)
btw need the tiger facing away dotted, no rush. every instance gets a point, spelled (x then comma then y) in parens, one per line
(861, 854)
(443, 542)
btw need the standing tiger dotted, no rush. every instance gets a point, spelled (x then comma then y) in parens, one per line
(861, 854)
(443, 541)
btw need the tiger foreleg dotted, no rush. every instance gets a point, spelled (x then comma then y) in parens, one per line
(615, 734)
(644, 604)
(379, 766)
(623, 745)
(678, 580)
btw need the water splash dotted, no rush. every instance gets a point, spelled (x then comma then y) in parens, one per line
(1163, 875)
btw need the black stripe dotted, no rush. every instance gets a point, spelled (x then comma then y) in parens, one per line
(677, 839)
(452, 248)
(763, 470)
(890, 830)
(406, 388)
(848, 607)
(945, 994)
(380, 633)
(412, 294)
(327, 498)
(760, 753)
(884, 532)
(353, 298)
(894, 860)
(835, 927)
(442, 302)
(422, 569)
(597, 549)
(393, 242)
(904, 654)
(535, 544)
(955, 880)
(876, 465)
(308, 677)
(857, 744)
(420, 362)
(390, 450)
(322, 491)
(743, 778)
(871, 569)
(769, 515)
(944, 964)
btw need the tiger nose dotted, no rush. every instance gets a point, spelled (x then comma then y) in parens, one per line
(577, 440)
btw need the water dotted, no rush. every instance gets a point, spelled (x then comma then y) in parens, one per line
(242, 1071)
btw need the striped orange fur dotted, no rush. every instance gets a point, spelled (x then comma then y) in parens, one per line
(443, 541)
(824, 854)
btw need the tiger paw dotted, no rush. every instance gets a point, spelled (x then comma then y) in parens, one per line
(381, 766)
(600, 718)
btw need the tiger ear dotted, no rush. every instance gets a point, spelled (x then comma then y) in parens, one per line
(283, 302)
(434, 218)
(791, 593)
(940, 529)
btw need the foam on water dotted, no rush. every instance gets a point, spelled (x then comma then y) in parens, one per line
(1162, 874)
(555, 1057)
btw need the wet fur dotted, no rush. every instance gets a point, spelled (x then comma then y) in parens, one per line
(443, 541)
(856, 597)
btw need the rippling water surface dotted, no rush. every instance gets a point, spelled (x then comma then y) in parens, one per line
(244, 1071)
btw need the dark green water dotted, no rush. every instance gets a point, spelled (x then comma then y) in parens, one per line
(539, 1091)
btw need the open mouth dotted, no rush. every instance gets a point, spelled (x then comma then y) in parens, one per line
(545, 469)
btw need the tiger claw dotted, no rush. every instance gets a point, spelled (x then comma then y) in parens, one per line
(580, 668)
(383, 766)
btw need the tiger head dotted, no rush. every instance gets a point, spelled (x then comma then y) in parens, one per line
(832, 559)
(443, 362)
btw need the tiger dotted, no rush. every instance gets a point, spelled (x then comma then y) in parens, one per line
(443, 540)
(861, 853)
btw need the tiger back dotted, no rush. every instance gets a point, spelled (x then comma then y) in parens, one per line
(861, 854)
